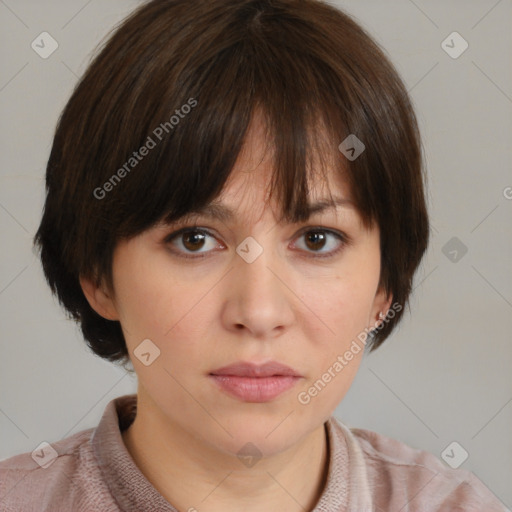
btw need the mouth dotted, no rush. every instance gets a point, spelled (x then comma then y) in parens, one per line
(250, 382)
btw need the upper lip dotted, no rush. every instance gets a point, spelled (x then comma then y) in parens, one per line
(247, 369)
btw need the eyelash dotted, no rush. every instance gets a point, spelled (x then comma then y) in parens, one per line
(342, 237)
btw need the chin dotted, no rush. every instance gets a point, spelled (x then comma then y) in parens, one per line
(270, 435)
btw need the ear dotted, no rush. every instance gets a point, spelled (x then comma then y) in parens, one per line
(99, 299)
(380, 307)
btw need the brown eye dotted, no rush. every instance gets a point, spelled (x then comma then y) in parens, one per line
(315, 240)
(322, 243)
(193, 240)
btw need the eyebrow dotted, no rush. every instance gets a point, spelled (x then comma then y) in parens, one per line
(218, 211)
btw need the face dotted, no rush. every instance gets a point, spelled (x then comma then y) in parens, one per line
(247, 289)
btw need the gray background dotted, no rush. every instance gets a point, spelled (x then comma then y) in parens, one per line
(444, 376)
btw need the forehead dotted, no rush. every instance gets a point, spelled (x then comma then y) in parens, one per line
(246, 195)
(250, 182)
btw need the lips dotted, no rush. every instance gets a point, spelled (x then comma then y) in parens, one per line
(245, 369)
(250, 382)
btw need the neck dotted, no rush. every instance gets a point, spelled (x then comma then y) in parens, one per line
(192, 474)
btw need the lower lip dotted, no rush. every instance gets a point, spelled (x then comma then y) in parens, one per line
(255, 389)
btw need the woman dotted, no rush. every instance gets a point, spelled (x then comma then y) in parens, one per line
(235, 205)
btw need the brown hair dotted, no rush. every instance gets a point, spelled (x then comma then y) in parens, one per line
(182, 78)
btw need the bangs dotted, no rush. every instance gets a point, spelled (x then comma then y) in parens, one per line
(303, 100)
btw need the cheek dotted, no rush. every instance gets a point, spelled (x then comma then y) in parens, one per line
(344, 300)
(344, 305)
(345, 313)
(167, 307)
(335, 347)
(151, 300)
(143, 305)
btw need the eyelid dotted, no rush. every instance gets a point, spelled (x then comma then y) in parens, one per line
(186, 229)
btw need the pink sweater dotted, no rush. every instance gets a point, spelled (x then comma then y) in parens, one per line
(92, 471)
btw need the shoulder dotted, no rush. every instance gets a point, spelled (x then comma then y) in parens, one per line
(404, 478)
(55, 476)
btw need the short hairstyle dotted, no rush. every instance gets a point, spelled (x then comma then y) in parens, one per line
(183, 79)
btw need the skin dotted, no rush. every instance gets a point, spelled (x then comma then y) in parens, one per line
(207, 313)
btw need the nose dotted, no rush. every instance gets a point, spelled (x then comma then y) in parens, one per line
(258, 296)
